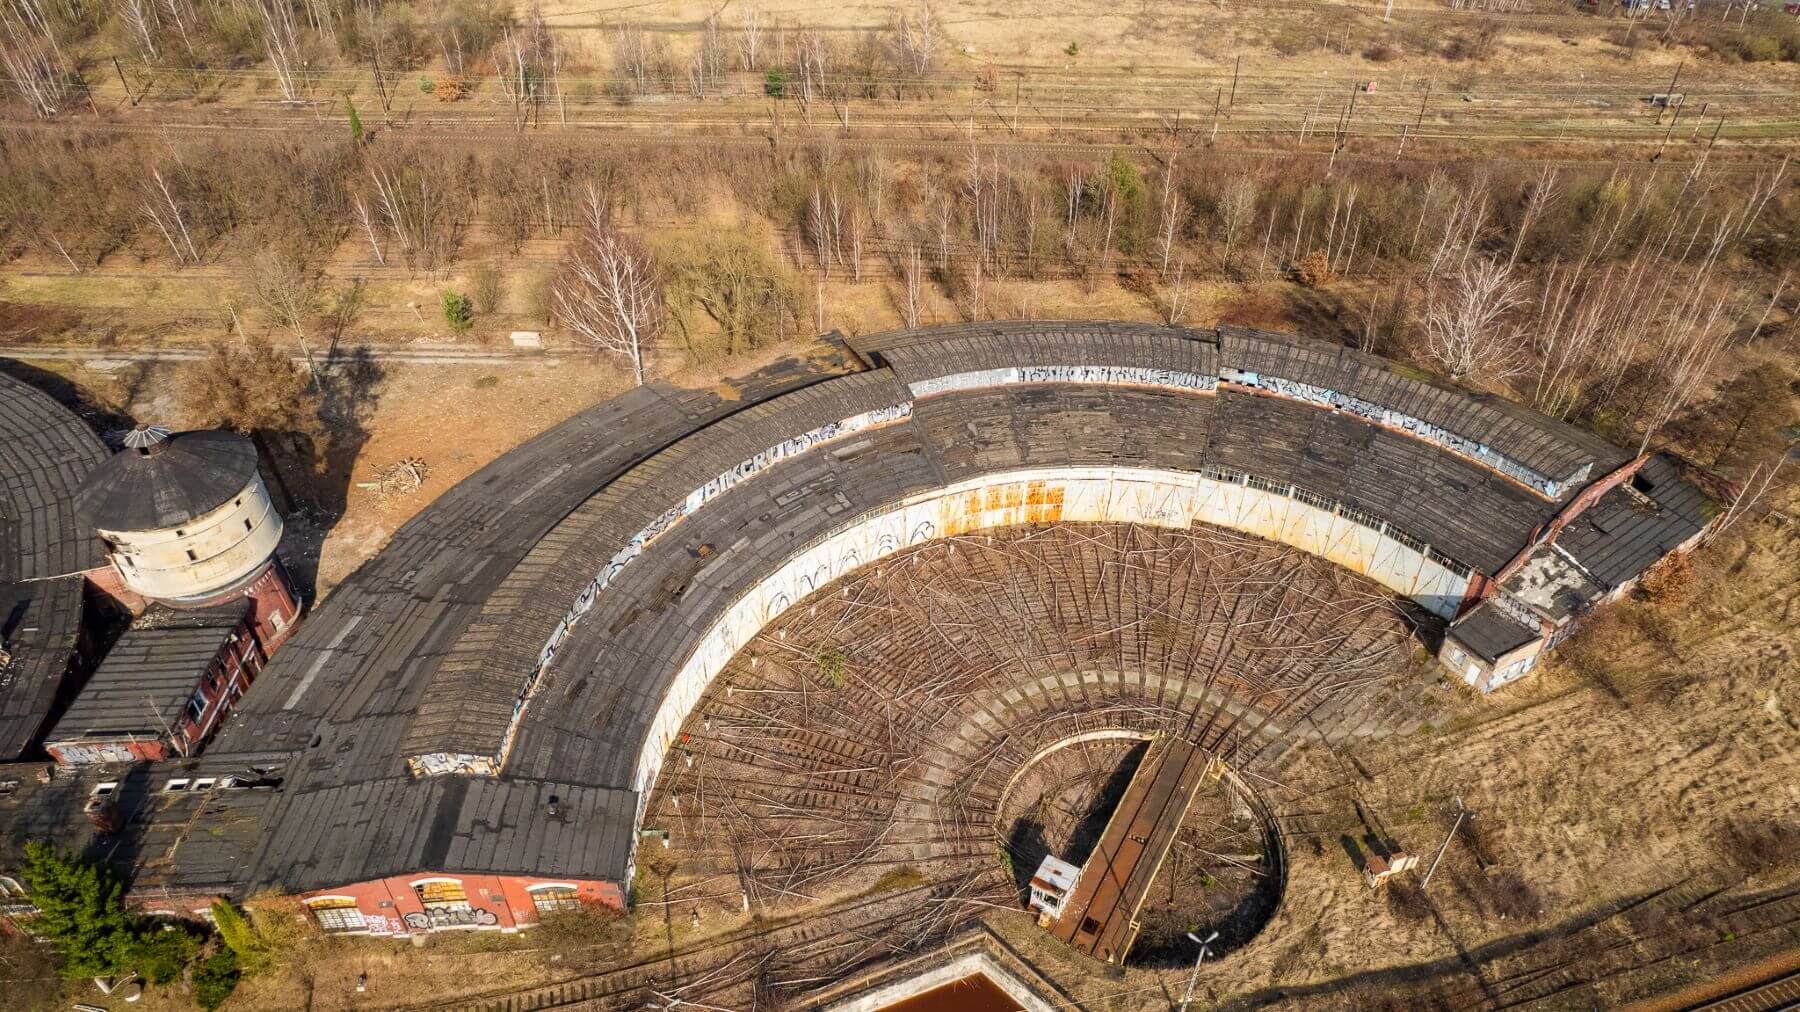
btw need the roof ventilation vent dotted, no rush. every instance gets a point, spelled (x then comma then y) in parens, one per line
(147, 439)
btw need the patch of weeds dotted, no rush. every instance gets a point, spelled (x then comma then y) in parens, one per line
(832, 664)
(903, 877)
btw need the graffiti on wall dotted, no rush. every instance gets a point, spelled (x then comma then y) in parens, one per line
(76, 755)
(438, 764)
(434, 918)
(441, 763)
(1108, 375)
(1463, 446)
(433, 764)
(381, 924)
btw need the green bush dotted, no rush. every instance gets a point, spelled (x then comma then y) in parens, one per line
(215, 978)
(775, 83)
(250, 951)
(82, 915)
(1757, 48)
(162, 950)
(80, 912)
(459, 311)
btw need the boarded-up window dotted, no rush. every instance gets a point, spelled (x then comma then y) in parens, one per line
(337, 914)
(550, 898)
(442, 893)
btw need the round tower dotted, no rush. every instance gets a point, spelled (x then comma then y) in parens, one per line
(185, 518)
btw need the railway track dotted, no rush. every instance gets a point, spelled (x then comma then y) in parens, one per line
(639, 979)
(1779, 995)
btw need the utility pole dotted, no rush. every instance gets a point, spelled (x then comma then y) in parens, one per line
(1461, 813)
(1195, 976)
(1669, 97)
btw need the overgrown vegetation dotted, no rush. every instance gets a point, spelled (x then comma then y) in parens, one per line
(82, 915)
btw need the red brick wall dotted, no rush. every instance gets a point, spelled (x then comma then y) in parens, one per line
(103, 750)
(496, 902)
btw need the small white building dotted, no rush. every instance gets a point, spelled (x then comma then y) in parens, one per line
(1052, 885)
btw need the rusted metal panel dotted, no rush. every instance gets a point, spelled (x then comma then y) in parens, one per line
(1100, 919)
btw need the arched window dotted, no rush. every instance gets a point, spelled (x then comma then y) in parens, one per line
(337, 913)
(557, 896)
(441, 894)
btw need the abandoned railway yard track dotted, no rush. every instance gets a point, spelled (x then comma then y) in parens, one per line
(637, 980)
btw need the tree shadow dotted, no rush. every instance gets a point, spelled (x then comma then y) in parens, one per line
(100, 417)
(1464, 964)
(1027, 846)
(314, 474)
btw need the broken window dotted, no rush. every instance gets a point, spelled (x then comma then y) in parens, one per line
(337, 914)
(551, 898)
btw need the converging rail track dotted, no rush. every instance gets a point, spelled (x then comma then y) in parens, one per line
(638, 979)
(1779, 995)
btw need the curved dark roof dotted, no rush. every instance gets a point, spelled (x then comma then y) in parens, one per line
(192, 474)
(45, 453)
(426, 646)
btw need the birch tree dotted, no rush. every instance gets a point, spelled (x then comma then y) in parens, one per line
(31, 60)
(1467, 328)
(281, 41)
(609, 294)
(749, 35)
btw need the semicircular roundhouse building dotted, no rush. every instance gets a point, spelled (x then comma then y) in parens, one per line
(469, 728)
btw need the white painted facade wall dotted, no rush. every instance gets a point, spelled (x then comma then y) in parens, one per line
(212, 553)
(1175, 499)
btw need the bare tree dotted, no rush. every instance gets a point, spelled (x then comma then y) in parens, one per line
(31, 58)
(912, 270)
(160, 207)
(1236, 208)
(1467, 329)
(1543, 192)
(917, 40)
(749, 35)
(637, 58)
(281, 41)
(1691, 343)
(709, 58)
(609, 294)
(1174, 215)
(411, 207)
(140, 17)
(288, 290)
(525, 59)
(1752, 494)
(368, 225)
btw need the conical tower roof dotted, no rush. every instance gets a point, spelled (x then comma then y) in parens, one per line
(163, 480)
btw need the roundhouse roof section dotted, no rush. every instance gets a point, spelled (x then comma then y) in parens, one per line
(46, 451)
(429, 647)
(186, 477)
